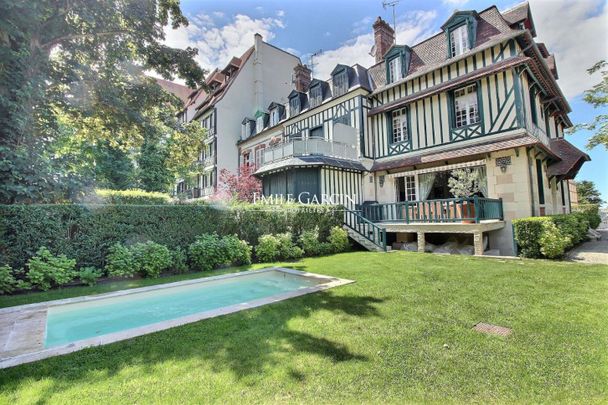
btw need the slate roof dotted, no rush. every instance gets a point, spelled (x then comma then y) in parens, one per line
(179, 90)
(215, 96)
(309, 161)
(571, 161)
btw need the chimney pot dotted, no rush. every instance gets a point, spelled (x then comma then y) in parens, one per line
(384, 37)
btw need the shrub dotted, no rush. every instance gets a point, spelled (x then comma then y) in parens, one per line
(238, 251)
(119, 262)
(309, 240)
(553, 242)
(87, 232)
(133, 196)
(267, 249)
(89, 275)
(180, 258)
(207, 252)
(45, 269)
(592, 212)
(151, 258)
(338, 239)
(537, 239)
(8, 281)
(277, 247)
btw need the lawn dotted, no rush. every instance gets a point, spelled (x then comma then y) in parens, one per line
(401, 333)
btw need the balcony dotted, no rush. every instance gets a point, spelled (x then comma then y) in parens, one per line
(206, 161)
(450, 210)
(306, 147)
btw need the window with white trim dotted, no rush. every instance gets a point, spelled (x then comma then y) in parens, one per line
(259, 156)
(394, 69)
(466, 111)
(247, 159)
(294, 106)
(410, 188)
(259, 124)
(274, 117)
(400, 133)
(459, 40)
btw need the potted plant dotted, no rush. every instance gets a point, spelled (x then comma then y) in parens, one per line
(464, 183)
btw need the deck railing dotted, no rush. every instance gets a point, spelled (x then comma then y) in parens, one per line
(304, 147)
(370, 231)
(473, 209)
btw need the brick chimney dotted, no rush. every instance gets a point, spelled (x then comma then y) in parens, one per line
(301, 77)
(384, 37)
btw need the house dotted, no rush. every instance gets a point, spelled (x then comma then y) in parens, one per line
(243, 88)
(481, 94)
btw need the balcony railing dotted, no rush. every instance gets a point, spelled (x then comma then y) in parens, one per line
(474, 209)
(321, 147)
(206, 161)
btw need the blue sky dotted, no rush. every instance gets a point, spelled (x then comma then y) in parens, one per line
(576, 31)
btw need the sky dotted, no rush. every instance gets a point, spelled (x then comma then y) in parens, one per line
(340, 31)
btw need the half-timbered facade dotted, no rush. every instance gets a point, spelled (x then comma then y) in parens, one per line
(481, 94)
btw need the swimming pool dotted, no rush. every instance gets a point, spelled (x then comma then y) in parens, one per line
(72, 322)
(56, 327)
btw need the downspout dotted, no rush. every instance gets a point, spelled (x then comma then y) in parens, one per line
(530, 178)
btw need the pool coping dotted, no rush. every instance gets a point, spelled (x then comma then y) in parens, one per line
(32, 356)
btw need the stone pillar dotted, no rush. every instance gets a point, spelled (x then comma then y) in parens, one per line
(421, 242)
(477, 243)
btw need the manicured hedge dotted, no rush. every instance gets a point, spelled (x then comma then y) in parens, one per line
(133, 196)
(86, 232)
(550, 236)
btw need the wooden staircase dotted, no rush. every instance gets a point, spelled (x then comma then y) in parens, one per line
(366, 233)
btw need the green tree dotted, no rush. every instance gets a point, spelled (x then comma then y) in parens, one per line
(152, 171)
(597, 96)
(588, 193)
(82, 61)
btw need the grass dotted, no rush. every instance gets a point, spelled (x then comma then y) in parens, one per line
(381, 339)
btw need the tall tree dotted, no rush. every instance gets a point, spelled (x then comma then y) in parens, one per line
(85, 60)
(597, 96)
(588, 193)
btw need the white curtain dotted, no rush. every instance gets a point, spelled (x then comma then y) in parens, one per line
(425, 184)
(483, 180)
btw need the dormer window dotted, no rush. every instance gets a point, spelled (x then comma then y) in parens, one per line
(340, 83)
(459, 40)
(394, 69)
(397, 62)
(247, 128)
(274, 117)
(294, 106)
(461, 31)
(316, 96)
(259, 124)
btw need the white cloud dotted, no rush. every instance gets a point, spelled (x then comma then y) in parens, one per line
(411, 28)
(218, 14)
(455, 3)
(576, 32)
(218, 44)
(280, 13)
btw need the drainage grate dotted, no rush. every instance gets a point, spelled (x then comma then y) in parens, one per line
(492, 329)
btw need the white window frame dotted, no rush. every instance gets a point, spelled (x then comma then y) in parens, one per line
(459, 40)
(259, 124)
(394, 69)
(466, 108)
(259, 156)
(293, 103)
(274, 117)
(400, 131)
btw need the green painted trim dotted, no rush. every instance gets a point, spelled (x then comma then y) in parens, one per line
(518, 99)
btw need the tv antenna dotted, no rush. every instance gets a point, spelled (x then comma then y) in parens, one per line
(312, 60)
(392, 3)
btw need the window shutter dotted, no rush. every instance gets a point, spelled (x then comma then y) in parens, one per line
(389, 126)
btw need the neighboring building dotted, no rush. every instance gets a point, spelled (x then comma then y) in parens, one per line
(312, 145)
(481, 94)
(244, 88)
